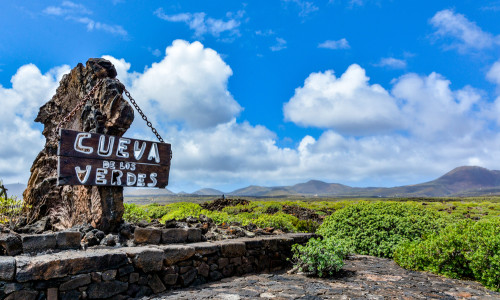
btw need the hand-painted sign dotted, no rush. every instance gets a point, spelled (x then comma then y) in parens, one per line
(96, 159)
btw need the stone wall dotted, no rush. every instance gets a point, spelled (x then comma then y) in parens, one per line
(131, 272)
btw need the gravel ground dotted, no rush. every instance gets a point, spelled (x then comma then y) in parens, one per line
(363, 277)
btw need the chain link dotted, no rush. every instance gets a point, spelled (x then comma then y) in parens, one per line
(79, 105)
(139, 110)
(127, 93)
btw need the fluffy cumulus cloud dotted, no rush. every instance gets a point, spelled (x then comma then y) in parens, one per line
(21, 140)
(348, 104)
(417, 129)
(189, 85)
(423, 106)
(461, 32)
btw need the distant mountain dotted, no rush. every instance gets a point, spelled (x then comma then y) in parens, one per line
(145, 192)
(15, 189)
(461, 181)
(319, 187)
(208, 192)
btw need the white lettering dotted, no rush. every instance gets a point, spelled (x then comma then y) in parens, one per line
(105, 152)
(83, 176)
(140, 179)
(100, 176)
(122, 146)
(116, 177)
(152, 176)
(139, 152)
(131, 179)
(153, 153)
(79, 147)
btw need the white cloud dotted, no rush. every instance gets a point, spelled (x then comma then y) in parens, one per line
(423, 106)
(432, 111)
(21, 141)
(280, 45)
(203, 25)
(189, 85)
(349, 104)
(339, 44)
(78, 13)
(306, 7)
(421, 128)
(493, 74)
(464, 34)
(392, 62)
(67, 8)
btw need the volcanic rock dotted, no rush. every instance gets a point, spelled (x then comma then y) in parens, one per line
(106, 113)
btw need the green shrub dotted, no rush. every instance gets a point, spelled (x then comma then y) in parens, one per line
(134, 213)
(156, 211)
(466, 249)
(306, 226)
(377, 228)
(278, 220)
(181, 210)
(10, 211)
(320, 257)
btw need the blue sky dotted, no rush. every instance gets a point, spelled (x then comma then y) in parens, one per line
(364, 93)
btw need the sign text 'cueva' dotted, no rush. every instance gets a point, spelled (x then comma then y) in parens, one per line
(104, 160)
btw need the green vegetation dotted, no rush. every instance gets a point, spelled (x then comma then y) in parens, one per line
(10, 208)
(377, 228)
(455, 237)
(465, 249)
(321, 257)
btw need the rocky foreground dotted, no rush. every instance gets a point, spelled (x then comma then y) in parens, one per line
(363, 277)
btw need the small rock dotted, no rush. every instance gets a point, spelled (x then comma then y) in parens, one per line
(109, 275)
(39, 242)
(147, 235)
(10, 244)
(170, 223)
(68, 240)
(155, 284)
(188, 277)
(23, 295)
(106, 289)
(90, 239)
(7, 267)
(75, 282)
(133, 278)
(109, 240)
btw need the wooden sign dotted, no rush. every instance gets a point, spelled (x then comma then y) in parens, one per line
(104, 160)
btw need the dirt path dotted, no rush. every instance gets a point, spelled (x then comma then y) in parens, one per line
(363, 277)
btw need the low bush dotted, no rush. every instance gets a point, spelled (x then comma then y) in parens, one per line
(320, 257)
(135, 213)
(466, 249)
(377, 228)
(306, 226)
(278, 220)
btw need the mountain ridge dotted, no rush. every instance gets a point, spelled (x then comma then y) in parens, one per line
(461, 181)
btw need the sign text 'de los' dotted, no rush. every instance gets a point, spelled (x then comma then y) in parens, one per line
(105, 160)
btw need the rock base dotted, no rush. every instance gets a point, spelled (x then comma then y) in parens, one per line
(132, 272)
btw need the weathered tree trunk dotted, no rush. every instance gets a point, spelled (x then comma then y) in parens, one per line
(107, 113)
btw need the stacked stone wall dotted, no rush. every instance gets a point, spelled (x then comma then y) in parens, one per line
(133, 272)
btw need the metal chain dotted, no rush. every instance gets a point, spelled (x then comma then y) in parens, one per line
(91, 93)
(139, 110)
(79, 105)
